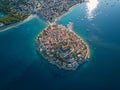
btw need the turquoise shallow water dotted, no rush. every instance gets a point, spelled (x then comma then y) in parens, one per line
(2, 15)
(21, 68)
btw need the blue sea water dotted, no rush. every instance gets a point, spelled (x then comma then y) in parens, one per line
(2, 15)
(21, 68)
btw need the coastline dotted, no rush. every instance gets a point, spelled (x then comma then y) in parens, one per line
(69, 11)
(5, 28)
(88, 48)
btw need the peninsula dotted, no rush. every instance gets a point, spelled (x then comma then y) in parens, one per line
(56, 43)
(62, 47)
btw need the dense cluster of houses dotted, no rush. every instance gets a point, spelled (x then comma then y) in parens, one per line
(62, 47)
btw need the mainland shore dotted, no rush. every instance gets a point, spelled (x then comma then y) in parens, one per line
(7, 27)
(69, 11)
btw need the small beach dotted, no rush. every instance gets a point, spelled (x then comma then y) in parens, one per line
(5, 28)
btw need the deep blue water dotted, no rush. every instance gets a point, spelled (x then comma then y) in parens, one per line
(2, 15)
(21, 68)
